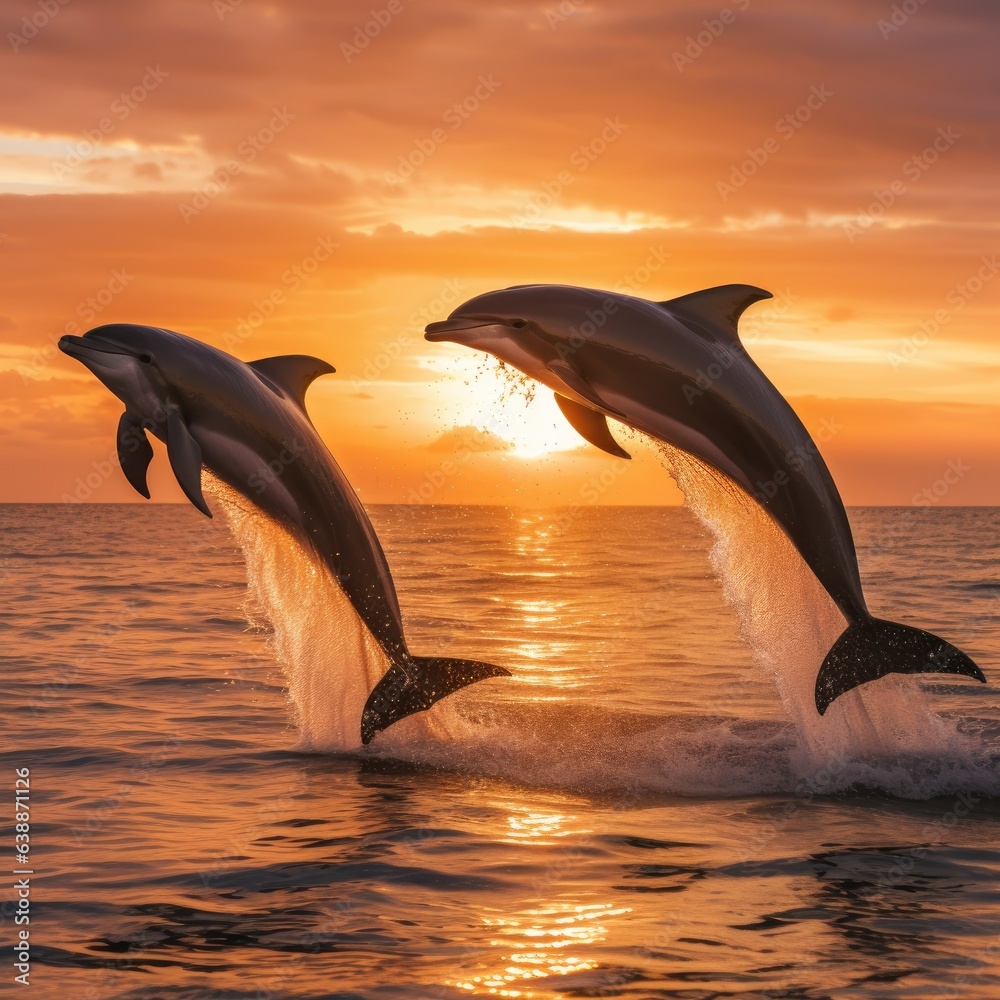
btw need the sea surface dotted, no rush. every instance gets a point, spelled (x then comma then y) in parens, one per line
(649, 807)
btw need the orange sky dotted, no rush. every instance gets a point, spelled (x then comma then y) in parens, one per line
(183, 163)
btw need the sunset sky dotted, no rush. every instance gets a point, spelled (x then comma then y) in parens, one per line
(305, 178)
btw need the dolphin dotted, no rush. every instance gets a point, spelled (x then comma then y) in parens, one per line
(237, 419)
(677, 371)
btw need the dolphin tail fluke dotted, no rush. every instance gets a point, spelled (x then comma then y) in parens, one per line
(871, 648)
(417, 684)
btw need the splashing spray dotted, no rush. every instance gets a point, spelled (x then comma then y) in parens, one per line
(330, 659)
(790, 623)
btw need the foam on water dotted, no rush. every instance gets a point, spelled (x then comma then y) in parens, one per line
(884, 736)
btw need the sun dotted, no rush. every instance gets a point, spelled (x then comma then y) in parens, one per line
(508, 404)
(536, 427)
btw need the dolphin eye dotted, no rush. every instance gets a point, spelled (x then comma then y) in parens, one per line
(519, 323)
(146, 359)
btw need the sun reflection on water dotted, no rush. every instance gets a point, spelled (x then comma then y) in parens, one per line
(539, 944)
(530, 826)
(539, 612)
(536, 537)
(541, 621)
(525, 950)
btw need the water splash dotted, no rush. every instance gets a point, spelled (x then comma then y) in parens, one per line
(516, 385)
(790, 623)
(885, 736)
(329, 658)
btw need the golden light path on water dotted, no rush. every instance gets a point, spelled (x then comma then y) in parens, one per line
(545, 660)
(551, 938)
(669, 829)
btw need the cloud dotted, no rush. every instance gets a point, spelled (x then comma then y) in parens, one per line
(641, 210)
(469, 439)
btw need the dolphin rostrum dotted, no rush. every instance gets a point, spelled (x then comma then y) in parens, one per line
(237, 419)
(676, 370)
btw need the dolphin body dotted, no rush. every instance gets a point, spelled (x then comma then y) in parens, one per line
(237, 420)
(644, 363)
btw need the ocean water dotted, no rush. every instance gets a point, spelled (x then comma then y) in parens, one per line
(649, 807)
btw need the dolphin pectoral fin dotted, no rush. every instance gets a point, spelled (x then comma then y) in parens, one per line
(134, 452)
(872, 648)
(416, 685)
(719, 309)
(590, 425)
(185, 459)
(575, 382)
(291, 374)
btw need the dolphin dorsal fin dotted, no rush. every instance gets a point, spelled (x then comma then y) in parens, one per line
(718, 309)
(292, 374)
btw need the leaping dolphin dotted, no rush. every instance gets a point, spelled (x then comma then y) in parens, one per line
(236, 419)
(676, 370)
